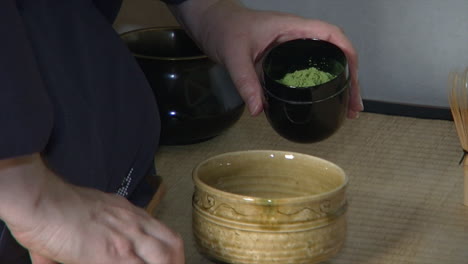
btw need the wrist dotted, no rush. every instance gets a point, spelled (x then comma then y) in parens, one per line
(24, 183)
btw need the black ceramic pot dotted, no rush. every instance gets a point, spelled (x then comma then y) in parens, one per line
(305, 114)
(196, 97)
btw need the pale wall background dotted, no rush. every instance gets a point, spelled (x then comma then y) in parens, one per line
(406, 47)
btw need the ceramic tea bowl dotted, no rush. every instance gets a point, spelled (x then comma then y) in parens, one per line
(311, 113)
(269, 207)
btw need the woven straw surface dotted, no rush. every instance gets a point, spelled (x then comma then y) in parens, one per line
(405, 194)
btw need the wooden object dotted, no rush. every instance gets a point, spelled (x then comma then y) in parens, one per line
(465, 185)
(458, 98)
(157, 184)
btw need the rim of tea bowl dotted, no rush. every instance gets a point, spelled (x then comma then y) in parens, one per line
(288, 156)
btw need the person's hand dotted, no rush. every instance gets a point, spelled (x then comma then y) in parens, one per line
(238, 38)
(74, 225)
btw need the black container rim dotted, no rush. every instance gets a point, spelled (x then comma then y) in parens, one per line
(296, 94)
(124, 36)
(302, 39)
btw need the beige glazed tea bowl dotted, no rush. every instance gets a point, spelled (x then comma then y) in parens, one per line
(269, 207)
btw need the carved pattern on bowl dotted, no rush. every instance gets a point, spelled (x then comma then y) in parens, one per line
(232, 244)
(219, 207)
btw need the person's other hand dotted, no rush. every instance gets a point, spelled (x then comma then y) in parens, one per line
(86, 226)
(238, 38)
(75, 225)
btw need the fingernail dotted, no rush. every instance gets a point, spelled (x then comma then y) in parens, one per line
(253, 105)
(353, 114)
(361, 104)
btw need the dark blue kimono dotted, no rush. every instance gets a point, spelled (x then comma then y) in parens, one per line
(71, 91)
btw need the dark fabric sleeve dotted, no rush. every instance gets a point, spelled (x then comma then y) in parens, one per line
(173, 2)
(109, 8)
(26, 115)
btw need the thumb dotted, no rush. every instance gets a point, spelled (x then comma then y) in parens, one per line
(38, 259)
(241, 68)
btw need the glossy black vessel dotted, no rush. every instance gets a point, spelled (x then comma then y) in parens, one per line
(305, 114)
(196, 97)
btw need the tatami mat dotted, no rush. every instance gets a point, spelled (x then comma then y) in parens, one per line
(405, 193)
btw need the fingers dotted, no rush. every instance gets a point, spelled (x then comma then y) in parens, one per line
(96, 227)
(253, 40)
(241, 68)
(355, 100)
(143, 237)
(157, 249)
(304, 28)
(38, 259)
(336, 36)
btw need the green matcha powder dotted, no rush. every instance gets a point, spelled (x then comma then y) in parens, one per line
(306, 78)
